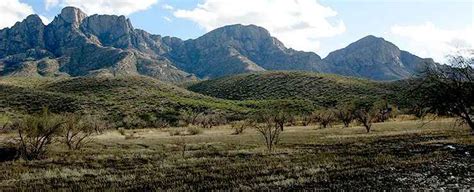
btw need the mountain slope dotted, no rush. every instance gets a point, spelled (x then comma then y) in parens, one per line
(124, 101)
(75, 44)
(322, 89)
(238, 49)
(375, 58)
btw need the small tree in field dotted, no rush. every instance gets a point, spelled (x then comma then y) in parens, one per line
(270, 133)
(324, 117)
(36, 133)
(345, 113)
(268, 125)
(448, 90)
(365, 113)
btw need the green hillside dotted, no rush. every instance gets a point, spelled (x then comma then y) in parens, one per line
(322, 89)
(126, 100)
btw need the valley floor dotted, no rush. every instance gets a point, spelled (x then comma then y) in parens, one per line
(396, 155)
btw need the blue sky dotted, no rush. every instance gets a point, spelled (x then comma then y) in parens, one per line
(428, 28)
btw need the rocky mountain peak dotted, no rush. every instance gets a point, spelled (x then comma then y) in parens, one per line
(33, 20)
(238, 32)
(72, 15)
(76, 44)
(373, 42)
(111, 30)
(374, 57)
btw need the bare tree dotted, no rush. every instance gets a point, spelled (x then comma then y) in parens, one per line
(324, 117)
(77, 130)
(36, 133)
(270, 130)
(449, 90)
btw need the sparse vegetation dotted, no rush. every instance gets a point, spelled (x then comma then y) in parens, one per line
(322, 90)
(194, 131)
(240, 126)
(36, 133)
(77, 130)
(162, 137)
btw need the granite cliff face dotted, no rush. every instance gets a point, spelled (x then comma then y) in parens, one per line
(75, 44)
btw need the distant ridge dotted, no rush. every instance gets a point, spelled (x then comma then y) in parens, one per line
(75, 44)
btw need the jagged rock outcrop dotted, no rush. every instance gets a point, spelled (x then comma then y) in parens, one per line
(77, 45)
(374, 58)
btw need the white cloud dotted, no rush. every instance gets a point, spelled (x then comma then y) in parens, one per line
(297, 23)
(12, 11)
(168, 7)
(116, 7)
(427, 40)
(167, 19)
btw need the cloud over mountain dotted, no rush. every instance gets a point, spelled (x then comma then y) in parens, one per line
(117, 7)
(298, 23)
(428, 40)
(12, 11)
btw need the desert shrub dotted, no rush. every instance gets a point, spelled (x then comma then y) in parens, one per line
(175, 132)
(325, 117)
(240, 126)
(121, 131)
(210, 120)
(133, 122)
(194, 131)
(36, 133)
(77, 130)
(4, 122)
(189, 116)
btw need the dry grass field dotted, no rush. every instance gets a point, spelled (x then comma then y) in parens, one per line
(396, 155)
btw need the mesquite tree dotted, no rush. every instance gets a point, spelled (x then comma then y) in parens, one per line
(448, 90)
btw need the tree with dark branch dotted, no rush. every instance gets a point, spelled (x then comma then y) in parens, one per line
(36, 133)
(448, 89)
(269, 128)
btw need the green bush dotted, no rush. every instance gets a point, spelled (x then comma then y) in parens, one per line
(36, 133)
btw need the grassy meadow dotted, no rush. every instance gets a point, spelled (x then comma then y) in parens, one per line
(399, 154)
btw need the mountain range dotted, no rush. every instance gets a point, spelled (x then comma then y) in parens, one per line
(75, 44)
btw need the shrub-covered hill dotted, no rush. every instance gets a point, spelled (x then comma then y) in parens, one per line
(126, 101)
(322, 89)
